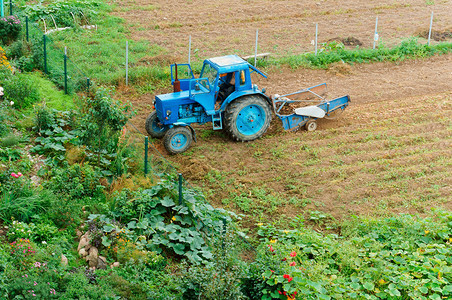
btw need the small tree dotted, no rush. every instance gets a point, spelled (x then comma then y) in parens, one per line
(102, 119)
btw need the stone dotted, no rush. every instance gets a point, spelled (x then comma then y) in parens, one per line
(115, 264)
(83, 242)
(93, 256)
(101, 263)
(83, 252)
(64, 260)
(78, 233)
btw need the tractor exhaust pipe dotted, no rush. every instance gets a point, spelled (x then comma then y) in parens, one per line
(176, 83)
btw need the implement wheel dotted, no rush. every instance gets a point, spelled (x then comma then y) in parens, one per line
(248, 118)
(311, 125)
(177, 139)
(153, 126)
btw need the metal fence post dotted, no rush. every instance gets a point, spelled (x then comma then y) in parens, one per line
(189, 49)
(255, 47)
(376, 33)
(26, 28)
(316, 35)
(127, 62)
(146, 142)
(2, 12)
(88, 83)
(10, 7)
(180, 189)
(45, 54)
(430, 30)
(224, 233)
(65, 70)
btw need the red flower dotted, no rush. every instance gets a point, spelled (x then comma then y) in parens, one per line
(284, 259)
(286, 276)
(292, 264)
(271, 248)
(280, 292)
(284, 293)
(289, 279)
(272, 271)
(293, 254)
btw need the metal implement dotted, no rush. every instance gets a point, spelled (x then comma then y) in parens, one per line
(304, 107)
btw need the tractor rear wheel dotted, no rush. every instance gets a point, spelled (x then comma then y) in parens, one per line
(153, 126)
(177, 139)
(248, 118)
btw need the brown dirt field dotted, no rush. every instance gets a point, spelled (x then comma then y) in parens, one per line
(390, 152)
(225, 27)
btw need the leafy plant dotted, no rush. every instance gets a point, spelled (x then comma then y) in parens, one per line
(102, 121)
(10, 27)
(21, 90)
(153, 220)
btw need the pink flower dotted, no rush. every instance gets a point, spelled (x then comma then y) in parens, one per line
(35, 283)
(293, 254)
(271, 248)
(19, 174)
(292, 264)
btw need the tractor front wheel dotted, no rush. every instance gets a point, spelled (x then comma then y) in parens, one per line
(248, 118)
(177, 139)
(153, 126)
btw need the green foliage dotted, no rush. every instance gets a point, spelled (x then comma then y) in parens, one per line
(3, 117)
(219, 278)
(103, 118)
(335, 52)
(64, 12)
(153, 220)
(10, 27)
(21, 89)
(52, 127)
(400, 257)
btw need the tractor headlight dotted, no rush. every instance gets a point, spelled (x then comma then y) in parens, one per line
(168, 112)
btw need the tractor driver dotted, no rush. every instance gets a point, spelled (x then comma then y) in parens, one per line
(227, 86)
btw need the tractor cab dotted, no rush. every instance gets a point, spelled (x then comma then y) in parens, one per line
(224, 88)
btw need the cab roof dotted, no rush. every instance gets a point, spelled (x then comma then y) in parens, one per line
(231, 63)
(228, 63)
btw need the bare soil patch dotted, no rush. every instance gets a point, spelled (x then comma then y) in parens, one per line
(225, 27)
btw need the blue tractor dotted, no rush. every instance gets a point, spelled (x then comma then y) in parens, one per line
(223, 94)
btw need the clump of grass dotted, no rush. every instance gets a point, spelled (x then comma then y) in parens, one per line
(407, 49)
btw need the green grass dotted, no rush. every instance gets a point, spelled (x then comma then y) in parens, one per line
(407, 49)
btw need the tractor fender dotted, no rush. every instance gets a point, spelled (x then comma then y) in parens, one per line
(189, 126)
(236, 95)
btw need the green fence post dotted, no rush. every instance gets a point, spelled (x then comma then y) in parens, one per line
(146, 142)
(180, 189)
(2, 12)
(26, 28)
(224, 233)
(87, 84)
(65, 70)
(45, 54)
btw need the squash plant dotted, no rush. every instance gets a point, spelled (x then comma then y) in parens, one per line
(154, 220)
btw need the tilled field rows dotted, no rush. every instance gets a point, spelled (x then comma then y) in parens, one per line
(379, 163)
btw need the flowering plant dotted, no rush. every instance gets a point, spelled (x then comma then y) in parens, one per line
(22, 252)
(4, 60)
(10, 27)
(280, 281)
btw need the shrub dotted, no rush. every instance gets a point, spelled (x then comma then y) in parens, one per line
(10, 27)
(22, 90)
(4, 128)
(5, 67)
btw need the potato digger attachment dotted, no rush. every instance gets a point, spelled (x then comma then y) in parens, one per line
(304, 107)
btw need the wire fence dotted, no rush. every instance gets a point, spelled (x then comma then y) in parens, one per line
(48, 56)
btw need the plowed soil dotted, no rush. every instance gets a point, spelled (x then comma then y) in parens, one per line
(389, 152)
